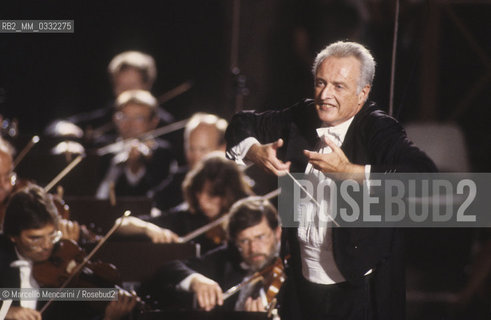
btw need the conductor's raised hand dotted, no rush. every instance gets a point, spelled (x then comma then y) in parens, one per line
(333, 162)
(264, 155)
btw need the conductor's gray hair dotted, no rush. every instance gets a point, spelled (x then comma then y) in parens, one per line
(343, 49)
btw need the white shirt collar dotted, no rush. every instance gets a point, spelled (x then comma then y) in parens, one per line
(338, 131)
(21, 262)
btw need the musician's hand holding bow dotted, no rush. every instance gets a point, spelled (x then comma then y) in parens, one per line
(70, 229)
(135, 226)
(264, 155)
(160, 235)
(21, 313)
(207, 291)
(121, 307)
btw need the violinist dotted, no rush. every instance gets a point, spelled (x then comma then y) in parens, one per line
(209, 190)
(128, 70)
(139, 166)
(9, 183)
(204, 133)
(30, 234)
(254, 233)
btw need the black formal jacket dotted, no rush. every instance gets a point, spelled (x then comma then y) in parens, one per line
(9, 277)
(372, 138)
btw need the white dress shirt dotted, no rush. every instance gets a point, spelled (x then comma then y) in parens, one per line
(315, 238)
(27, 280)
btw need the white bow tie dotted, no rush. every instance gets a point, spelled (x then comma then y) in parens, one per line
(331, 132)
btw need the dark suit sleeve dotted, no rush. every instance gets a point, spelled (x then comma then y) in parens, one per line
(211, 265)
(389, 148)
(266, 127)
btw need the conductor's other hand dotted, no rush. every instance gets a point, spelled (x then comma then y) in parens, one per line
(264, 155)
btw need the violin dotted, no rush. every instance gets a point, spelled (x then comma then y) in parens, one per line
(274, 279)
(69, 266)
(85, 236)
(272, 276)
(66, 256)
(217, 234)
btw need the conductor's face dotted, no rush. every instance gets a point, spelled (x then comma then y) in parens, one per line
(336, 84)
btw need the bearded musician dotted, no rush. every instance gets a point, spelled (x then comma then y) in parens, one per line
(254, 242)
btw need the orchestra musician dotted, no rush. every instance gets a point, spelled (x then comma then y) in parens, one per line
(346, 273)
(203, 134)
(140, 166)
(29, 236)
(8, 184)
(254, 235)
(209, 190)
(129, 70)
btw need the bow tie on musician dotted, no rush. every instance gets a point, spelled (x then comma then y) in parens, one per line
(254, 241)
(30, 238)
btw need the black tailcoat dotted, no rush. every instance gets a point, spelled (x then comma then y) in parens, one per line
(373, 138)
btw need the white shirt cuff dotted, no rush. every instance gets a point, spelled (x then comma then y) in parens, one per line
(185, 284)
(239, 151)
(368, 169)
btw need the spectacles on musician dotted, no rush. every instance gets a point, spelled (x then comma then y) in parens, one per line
(259, 239)
(38, 241)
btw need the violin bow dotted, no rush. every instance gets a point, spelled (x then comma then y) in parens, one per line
(222, 219)
(311, 197)
(63, 173)
(87, 258)
(256, 277)
(27, 148)
(118, 146)
(175, 92)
